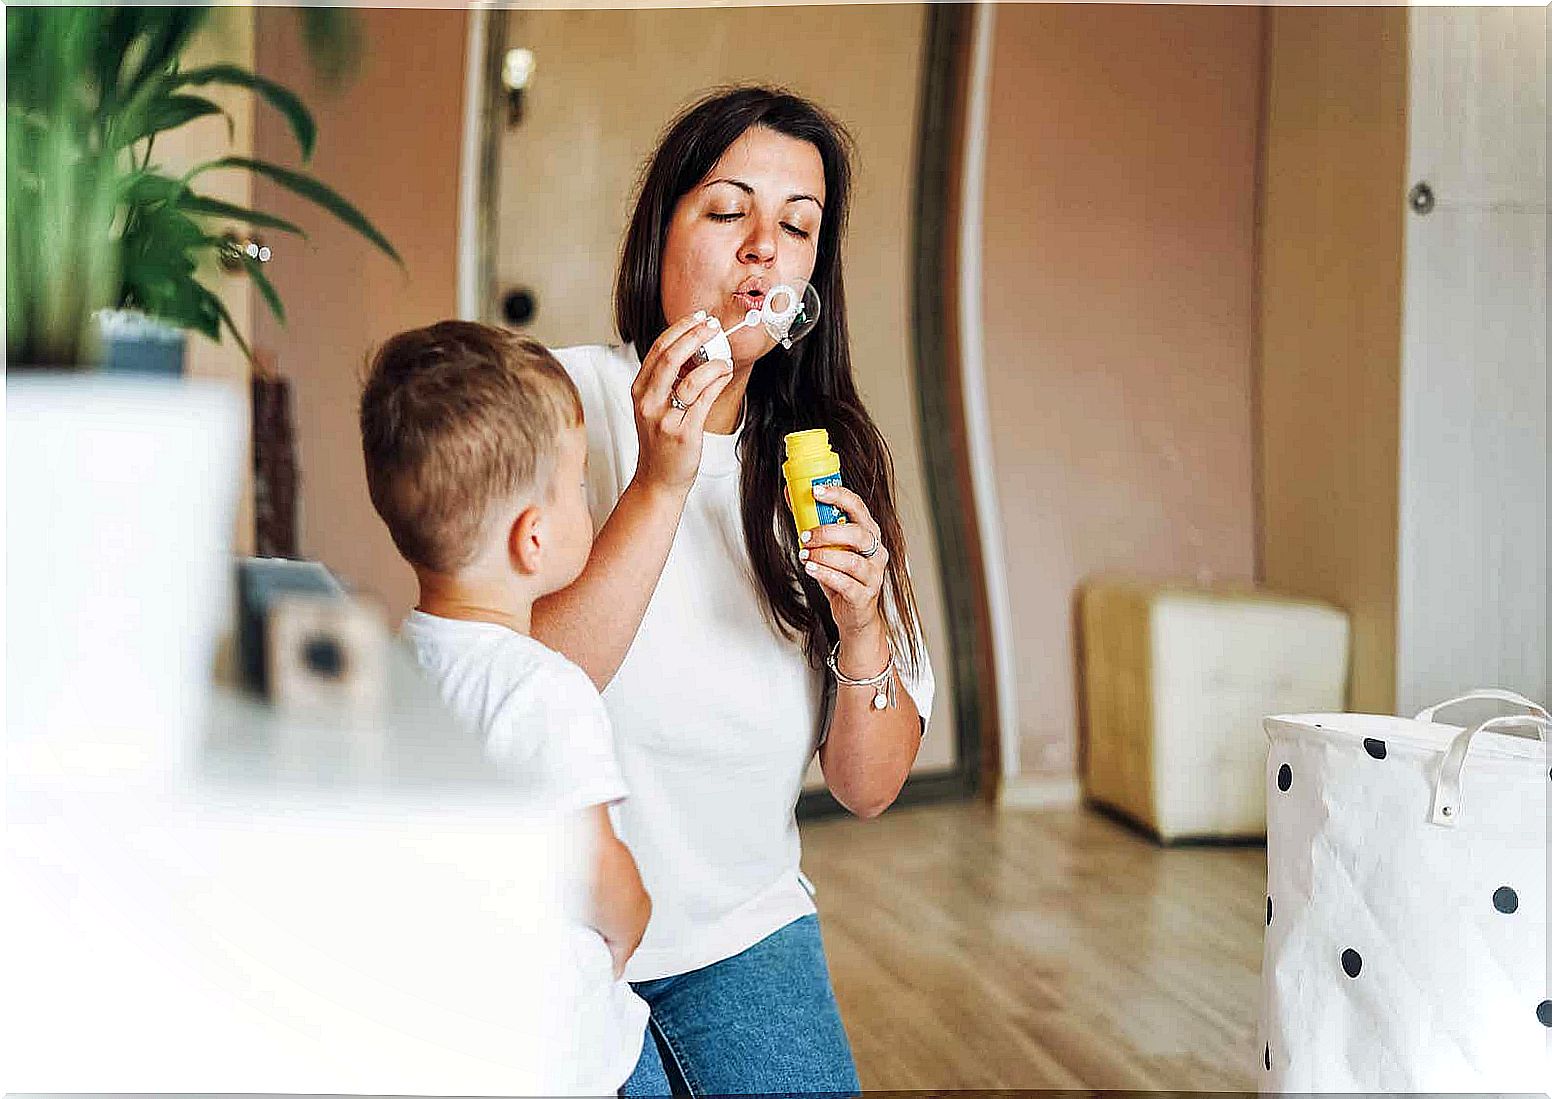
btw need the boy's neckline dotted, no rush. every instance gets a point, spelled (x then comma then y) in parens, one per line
(495, 619)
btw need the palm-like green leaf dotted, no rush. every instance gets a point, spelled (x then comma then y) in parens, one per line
(215, 304)
(118, 122)
(297, 116)
(145, 186)
(193, 308)
(255, 271)
(311, 189)
(165, 33)
(113, 42)
(168, 112)
(160, 246)
(214, 207)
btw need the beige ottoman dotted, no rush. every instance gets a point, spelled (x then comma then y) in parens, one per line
(1174, 683)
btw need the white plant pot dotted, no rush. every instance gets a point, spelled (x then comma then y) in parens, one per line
(120, 497)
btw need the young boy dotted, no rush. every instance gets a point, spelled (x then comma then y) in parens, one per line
(475, 459)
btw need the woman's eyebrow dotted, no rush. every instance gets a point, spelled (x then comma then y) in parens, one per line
(748, 190)
(740, 184)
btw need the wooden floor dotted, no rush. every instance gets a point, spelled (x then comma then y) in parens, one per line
(1056, 949)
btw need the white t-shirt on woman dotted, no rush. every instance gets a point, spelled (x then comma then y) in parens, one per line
(716, 715)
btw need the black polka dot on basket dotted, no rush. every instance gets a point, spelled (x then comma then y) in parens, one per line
(1284, 777)
(1375, 748)
(1506, 900)
(1352, 962)
(1544, 1012)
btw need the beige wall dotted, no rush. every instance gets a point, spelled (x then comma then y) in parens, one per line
(1118, 267)
(390, 144)
(1330, 316)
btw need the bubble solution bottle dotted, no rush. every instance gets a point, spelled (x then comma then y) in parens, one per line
(810, 462)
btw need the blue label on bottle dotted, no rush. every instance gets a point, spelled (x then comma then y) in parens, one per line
(829, 513)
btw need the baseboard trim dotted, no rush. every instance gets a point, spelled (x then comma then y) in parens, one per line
(1032, 792)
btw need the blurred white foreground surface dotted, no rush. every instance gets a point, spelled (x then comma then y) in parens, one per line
(308, 906)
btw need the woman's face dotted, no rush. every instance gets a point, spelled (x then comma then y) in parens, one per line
(751, 224)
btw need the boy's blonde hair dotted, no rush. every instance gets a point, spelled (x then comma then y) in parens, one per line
(455, 417)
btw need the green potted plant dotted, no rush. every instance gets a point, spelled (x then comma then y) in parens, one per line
(121, 489)
(93, 223)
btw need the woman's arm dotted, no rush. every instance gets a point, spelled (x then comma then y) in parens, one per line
(594, 621)
(867, 753)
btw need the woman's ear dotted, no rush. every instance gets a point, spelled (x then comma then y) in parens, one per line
(525, 541)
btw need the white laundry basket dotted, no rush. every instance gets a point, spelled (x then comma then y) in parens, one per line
(1406, 937)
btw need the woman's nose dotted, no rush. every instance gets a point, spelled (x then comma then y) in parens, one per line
(760, 246)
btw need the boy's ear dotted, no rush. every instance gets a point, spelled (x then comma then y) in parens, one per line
(525, 541)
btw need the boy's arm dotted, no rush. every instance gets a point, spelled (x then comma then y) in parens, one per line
(620, 905)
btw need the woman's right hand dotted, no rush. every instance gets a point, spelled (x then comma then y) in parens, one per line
(670, 439)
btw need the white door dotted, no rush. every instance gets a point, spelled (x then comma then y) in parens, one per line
(1472, 595)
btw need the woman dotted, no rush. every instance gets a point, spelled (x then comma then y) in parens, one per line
(703, 619)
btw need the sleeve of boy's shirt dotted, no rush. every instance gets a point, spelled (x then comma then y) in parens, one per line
(574, 750)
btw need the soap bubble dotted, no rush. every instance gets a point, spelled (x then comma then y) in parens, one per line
(790, 311)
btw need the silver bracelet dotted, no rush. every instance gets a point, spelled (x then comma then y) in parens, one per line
(883, 684)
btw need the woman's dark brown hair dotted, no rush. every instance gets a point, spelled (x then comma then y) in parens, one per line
(810, 385)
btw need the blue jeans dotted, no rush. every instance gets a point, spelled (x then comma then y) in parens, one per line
(763, 1022)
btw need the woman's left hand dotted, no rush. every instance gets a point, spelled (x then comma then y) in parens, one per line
(835, 554)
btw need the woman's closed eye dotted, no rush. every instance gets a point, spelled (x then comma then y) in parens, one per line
(795, 231)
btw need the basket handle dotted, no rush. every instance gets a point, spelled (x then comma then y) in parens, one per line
(1446, 789)
(1494, 694)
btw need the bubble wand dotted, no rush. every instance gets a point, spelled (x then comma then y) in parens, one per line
(788, 313)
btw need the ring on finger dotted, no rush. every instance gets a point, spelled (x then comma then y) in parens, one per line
(673, 399)
(873, 549)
